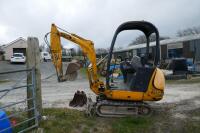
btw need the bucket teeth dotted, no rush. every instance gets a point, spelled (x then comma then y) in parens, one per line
(83, 99)
(74, 100)
(79, 99)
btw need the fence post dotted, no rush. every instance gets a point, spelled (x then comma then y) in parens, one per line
(33, 60)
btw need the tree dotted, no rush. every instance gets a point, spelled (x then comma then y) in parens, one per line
(1, 51)
(79, 52)
(42, 47)
(73, 51)
(48, 49)
(101, 51)
(188, 31)
(142, 39)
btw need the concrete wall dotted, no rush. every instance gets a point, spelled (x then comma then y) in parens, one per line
(9, 49)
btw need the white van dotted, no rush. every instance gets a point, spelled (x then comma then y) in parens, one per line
(45, 56)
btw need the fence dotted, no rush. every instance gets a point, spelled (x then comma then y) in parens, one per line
(20, 114)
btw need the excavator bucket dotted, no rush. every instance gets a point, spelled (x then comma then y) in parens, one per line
(71, 71)
(79, 99)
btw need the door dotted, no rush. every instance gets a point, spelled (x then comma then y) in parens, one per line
(20, 50)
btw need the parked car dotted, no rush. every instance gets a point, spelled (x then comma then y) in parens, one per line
(18, 58)
(45, 56)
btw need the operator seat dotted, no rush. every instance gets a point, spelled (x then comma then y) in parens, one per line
(136, 74)
(136, 64)
(128, 69)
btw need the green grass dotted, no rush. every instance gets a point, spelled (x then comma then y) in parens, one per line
(132, 125)
(65, 120)
(4, 81)
(192, 124)
(83, 71)
(73, 121)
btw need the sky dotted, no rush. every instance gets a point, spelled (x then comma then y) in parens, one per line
(95, 20)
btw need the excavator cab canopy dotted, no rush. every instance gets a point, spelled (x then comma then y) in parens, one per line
(147, 28)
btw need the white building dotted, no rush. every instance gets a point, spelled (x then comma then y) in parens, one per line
(17, 46)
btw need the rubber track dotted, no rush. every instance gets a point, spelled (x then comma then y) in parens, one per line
(121, 104)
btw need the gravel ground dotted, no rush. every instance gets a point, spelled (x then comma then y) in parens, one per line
(64, 92)
(179, 92)
(56, 94)
(176, 112)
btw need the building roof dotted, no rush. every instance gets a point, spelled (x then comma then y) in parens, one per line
(162, 42)
(16, 40)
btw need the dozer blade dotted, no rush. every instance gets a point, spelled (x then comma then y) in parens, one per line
(79, 99)
(71, 71)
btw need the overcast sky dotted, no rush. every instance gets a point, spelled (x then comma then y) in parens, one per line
(96, 20)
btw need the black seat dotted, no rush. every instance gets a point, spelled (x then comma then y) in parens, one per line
(140, 82)
(126, 69)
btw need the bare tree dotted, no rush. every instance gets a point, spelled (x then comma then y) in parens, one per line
(142, 39)
(79, 52)
(189, 31)
(73, 51)
(42, 47)
(101, 51)
(1, 51)
(48, 49)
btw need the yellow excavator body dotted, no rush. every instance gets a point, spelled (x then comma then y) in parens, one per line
(154, 92)
(148, 85)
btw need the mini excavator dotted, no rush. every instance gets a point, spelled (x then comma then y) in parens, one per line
(141, 82)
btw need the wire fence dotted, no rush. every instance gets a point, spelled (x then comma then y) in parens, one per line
(16, 114)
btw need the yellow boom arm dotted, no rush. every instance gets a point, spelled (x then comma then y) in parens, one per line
(87, 47)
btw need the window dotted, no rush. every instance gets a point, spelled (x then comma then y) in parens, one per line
(17, 55)
(175, 53)
(45, 54)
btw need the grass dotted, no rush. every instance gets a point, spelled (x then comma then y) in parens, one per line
(132, 125)
(62, 120)
(193, 124)
(4, 81)
(73, 121)
(83, 71)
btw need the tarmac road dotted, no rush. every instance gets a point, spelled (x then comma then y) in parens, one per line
(46, 68)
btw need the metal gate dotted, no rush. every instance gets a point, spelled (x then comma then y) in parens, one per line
(17, 112)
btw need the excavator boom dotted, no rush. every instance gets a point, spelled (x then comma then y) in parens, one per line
(87, 47)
